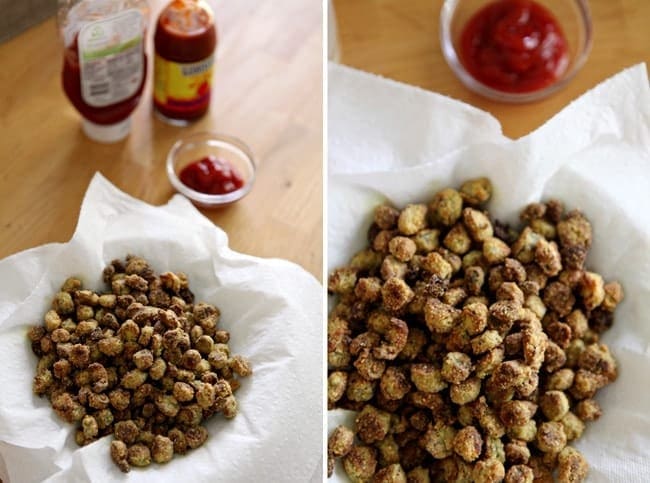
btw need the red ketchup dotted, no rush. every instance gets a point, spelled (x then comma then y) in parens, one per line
(185, 41)
(514, 46)
(211, 175)
(104, 63)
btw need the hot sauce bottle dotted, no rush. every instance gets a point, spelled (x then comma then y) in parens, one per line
(185, 42)
(104, 62)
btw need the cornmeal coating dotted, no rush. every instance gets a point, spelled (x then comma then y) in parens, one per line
(468, 443)
(471, 349)
(519, 474)
(340, 441)
(476, 191)
(427, 377)
(143, 362)
(372, 424)
(446, 207)
(456, 367)
(360, 464)
(412, 219)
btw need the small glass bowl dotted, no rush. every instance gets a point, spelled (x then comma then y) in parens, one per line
(197, 146)
(573, 16)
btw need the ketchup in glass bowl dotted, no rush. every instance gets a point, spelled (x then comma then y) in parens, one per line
(515, 50)
(210, 169)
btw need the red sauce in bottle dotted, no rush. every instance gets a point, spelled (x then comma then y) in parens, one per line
(211, 175)
(514, 46)
(111, 114)
(185, 41)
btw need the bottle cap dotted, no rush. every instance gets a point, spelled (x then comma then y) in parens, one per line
(107, 133)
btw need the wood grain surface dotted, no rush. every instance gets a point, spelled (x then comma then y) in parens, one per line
(267, 91)
(399, 39)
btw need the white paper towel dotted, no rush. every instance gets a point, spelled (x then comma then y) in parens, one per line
(272, 308)
(397, 143)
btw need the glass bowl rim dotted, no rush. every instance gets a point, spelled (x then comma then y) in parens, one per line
(205, 199)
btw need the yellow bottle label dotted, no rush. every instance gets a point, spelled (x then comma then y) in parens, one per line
(182, 87)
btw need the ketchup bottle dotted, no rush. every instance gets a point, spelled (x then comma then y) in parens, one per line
(185, 42)
(104, 62)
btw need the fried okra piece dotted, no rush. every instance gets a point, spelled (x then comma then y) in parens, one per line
(613, 296)
(588, 410)
(551, 437)
(162, 449)
(478, 224)
(488, 471)
(372, 424)
(126, 431)
(427, 378)
(592, 290)
(391, 267)
(390, 474)
(573, 426)
(468, 443)
(495, 250)
(196, 436)
(466, 391)
(547, 256)
(440, 317)
(342, 281)
(359, 388)
(427, 240)
(474, 318)
(439, 440)
(386, 217)
(597, 359)
(456, 367)
(394, 383)
(572, 466)
(560, 380)
(525, 432)
(368, 289)
(575, 230)
(119, 455)
(337, 383)
(396, 294)
(458, 240)
(476, 191)
(554, 405)
(474, 279)
(519, 474)
(517, 452)
(412, 219)
(63, 303)
(369, 366)
(67, 408)
(489, 362)
(586, 383)
(340, 441)
(402, 248)
(517, 413)
(485, 342)
(338, 341)
(139, 455)
(446, 207)
(360, 464)
(554, 357)
(394, 334)
(134, 379)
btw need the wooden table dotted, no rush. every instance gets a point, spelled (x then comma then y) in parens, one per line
(399, 39)
(268, 92)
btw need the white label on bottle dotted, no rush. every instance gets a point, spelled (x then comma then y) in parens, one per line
(111, 58)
